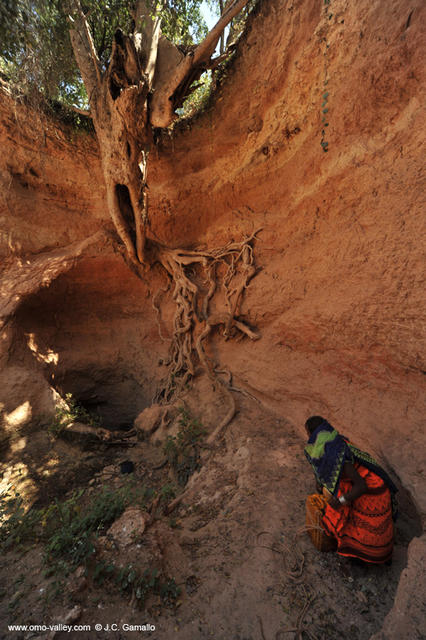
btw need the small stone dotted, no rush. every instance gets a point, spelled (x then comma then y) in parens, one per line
(16, 596)
(80, 571)
(361, 597)
(129, 527)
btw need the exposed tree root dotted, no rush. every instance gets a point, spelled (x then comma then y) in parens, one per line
(195, 276)
(300, 628)
(232, 387)
(226, 420)
(78, 430)
(295, 574)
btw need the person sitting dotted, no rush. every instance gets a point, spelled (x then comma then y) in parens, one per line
(361, 506)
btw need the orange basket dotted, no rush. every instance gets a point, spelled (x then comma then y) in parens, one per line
(315, 507)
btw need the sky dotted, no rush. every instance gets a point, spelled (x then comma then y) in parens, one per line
(211, 20)
(208, 16)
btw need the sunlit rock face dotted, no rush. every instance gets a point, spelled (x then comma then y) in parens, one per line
(339, 297)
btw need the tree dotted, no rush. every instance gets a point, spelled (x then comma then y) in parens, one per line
(144, 67)
(145, 80)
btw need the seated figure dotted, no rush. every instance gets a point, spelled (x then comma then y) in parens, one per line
(361, 507)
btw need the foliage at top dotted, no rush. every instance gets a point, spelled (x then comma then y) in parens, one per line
(36, 56)
(35, 49)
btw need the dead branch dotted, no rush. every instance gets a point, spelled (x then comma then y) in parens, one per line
(82, 112)
(226, 420)
(83, 47)
(80, 430)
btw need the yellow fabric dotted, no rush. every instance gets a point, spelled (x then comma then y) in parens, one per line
(315, 507)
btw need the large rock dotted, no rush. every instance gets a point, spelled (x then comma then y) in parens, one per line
(407, 618)
(149, 420)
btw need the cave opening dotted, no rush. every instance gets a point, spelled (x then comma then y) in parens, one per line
(80, 335)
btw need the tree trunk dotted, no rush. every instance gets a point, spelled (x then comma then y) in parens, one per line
(141, 64)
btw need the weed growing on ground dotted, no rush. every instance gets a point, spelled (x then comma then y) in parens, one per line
(67, 528)
(183, 450)
(17, 525)
(129, 580)
(168, 492)
(69, 411)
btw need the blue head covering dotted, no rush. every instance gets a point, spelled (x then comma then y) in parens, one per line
(327, 452)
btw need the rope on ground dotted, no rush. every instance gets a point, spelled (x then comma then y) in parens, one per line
(295, 574)
(286, 551)
(300, 629)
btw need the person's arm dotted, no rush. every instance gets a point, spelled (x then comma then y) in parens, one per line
(359, 486)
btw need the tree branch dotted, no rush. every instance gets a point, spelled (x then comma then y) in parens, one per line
(153, 51)
(206, 48)
(83, 112)
(83, 46)
(172, 84)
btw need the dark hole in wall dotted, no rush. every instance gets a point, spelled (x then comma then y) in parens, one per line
(114, 397)
(86, 336)
(125, 205)
(114, 89)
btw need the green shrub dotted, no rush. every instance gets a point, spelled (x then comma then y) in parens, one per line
(67, 528)
(183, 450)
(70, 411)
(17, 525)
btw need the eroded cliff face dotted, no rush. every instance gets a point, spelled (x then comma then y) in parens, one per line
(339, 298)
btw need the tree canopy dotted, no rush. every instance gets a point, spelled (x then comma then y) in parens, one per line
(35, 48)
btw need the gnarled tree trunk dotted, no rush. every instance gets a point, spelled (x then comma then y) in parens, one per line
(144, 65)
(147, 78)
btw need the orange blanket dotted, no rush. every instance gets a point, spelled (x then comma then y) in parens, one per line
(364, 528)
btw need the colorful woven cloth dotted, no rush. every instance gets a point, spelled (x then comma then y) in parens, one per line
(327, 451)
(364, 528)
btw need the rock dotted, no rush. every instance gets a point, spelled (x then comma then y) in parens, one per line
(361, 597)
(148, 420)
(406, 619)
(109, 471)
(128, 527)
(80, 571)
(73, 615)
(77, 586)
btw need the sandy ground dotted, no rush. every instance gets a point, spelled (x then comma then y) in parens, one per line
(234, 546)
